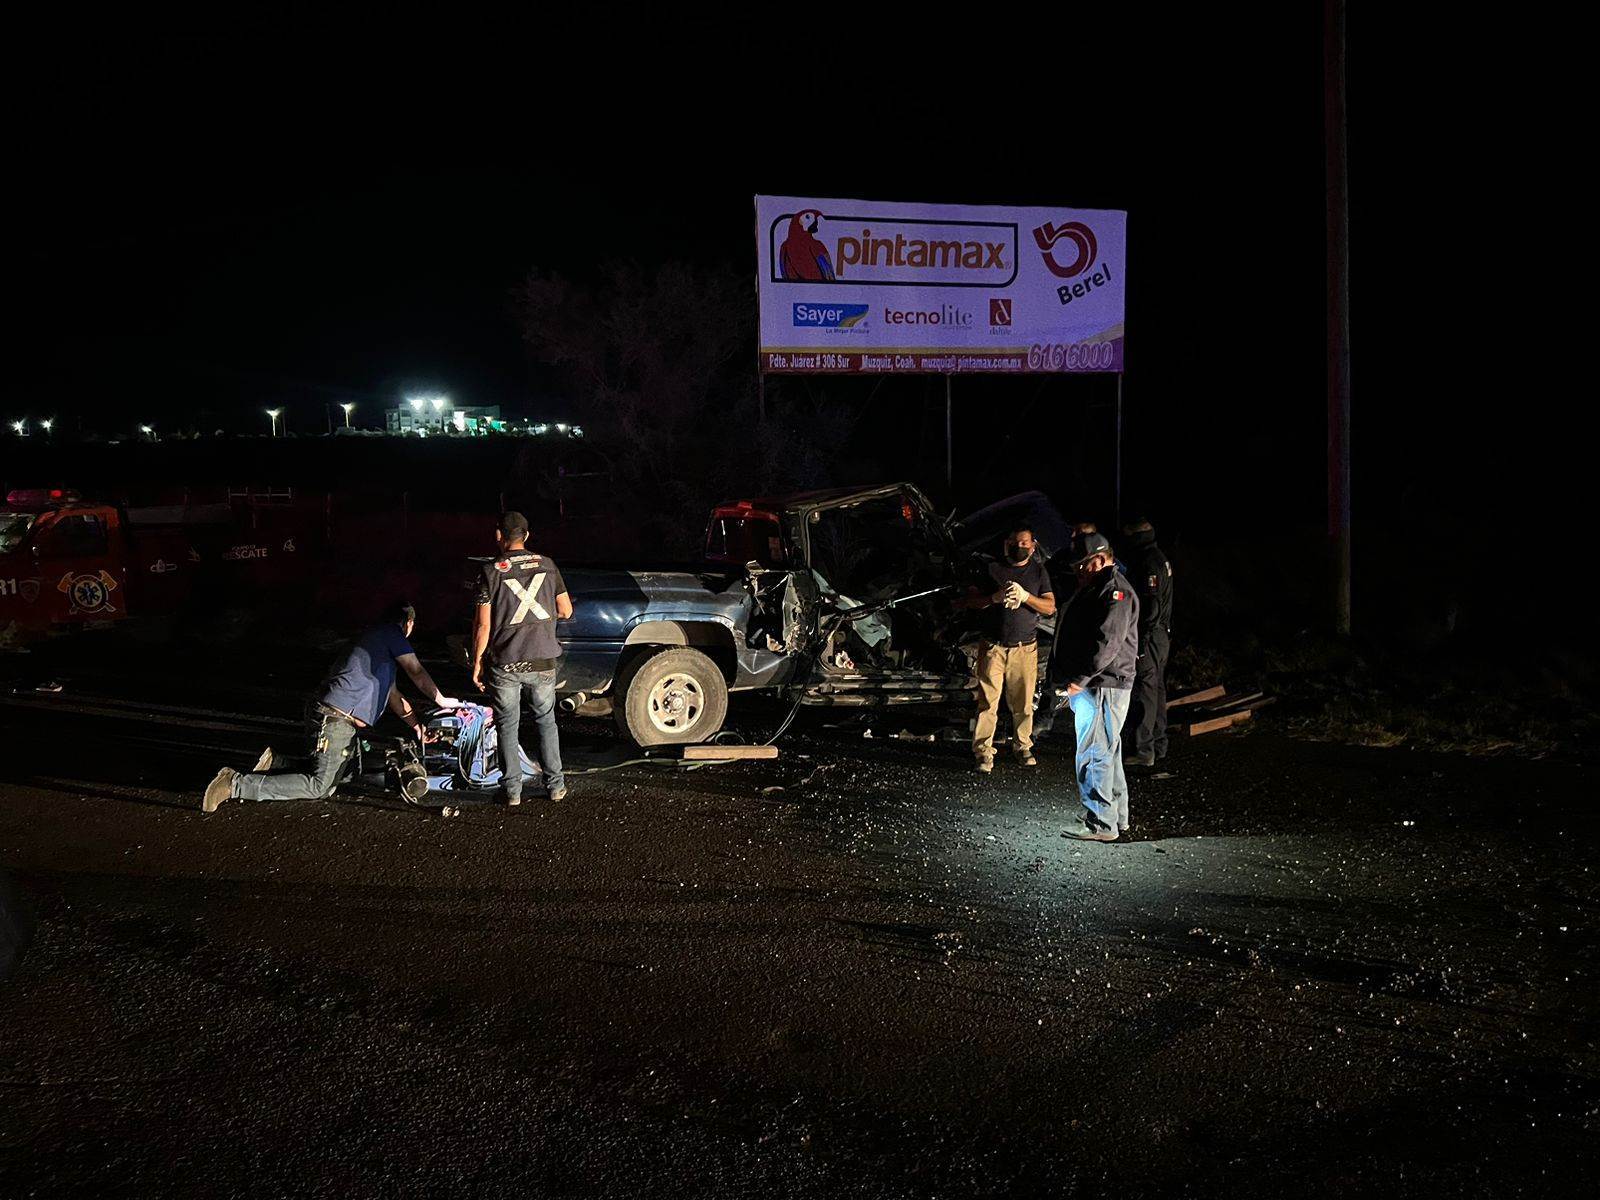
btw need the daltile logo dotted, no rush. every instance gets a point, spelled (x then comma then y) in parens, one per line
(999, 310)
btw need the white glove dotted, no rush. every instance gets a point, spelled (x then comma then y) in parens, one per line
(1015, 595)
(448, 702)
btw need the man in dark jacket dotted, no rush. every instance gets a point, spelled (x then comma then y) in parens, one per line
(1097, 646)
(1145, 736)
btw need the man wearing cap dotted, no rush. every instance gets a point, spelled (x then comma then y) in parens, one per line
(521, 596)
(1008, 657)
(1151, 572)
(1096, 647)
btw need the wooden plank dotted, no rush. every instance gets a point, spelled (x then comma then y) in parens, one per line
(723, 753)
(1196, 728)
(1210, 693)
(1234, 702)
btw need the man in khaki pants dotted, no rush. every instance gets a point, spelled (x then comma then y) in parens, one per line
(1008, 658)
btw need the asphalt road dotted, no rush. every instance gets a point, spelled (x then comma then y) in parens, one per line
(857, 971)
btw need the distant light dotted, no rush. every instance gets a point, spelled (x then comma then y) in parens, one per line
(577, 431)
(414, 401)
(560, 428)
(146, 430)
(274, 412)
(348, 408)
(46, 424)
(19, 425)
(438, 403)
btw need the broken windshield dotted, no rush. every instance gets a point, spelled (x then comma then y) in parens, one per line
(13, 528)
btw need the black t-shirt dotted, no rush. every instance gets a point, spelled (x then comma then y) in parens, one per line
(1014, 626)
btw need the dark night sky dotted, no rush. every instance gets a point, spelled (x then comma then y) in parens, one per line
(209, 228)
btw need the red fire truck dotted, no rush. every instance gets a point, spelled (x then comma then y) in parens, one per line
(67, 560)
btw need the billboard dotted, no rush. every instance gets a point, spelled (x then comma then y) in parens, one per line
(869, 287)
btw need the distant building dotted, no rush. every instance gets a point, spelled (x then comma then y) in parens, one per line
(470, 419)
(425, 419)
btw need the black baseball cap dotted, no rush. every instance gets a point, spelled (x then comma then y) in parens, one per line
(1086, 545)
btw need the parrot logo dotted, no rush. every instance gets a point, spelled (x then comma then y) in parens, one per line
(803, 258)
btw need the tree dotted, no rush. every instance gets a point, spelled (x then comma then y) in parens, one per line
(662, 365)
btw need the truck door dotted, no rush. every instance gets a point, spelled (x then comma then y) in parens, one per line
(82, 572)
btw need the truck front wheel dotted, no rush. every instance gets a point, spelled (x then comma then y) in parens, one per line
(673, 697)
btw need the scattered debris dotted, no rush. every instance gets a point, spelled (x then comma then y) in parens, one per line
(1211, 709)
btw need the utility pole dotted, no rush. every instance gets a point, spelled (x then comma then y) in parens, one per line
(1334, 129)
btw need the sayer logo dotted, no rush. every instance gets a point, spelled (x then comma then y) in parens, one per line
(829, 316)
(812, 247)
(999, 311)
(1083, 249)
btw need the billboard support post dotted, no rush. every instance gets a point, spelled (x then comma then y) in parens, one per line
(949, 441)
(1116, 473)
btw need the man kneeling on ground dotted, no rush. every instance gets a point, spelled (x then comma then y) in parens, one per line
(361, 685)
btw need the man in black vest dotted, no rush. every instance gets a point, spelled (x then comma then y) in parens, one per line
(521, 596)
(1145, 736)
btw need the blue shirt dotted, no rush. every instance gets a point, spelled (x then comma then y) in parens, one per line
(361, 681)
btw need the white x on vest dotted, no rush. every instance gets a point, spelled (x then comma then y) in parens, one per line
(529, 597)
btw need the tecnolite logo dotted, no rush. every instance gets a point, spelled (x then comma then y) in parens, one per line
(829, 316)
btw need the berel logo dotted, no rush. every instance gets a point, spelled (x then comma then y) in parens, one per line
(829, 316)
(999, 310)
(1080, 235)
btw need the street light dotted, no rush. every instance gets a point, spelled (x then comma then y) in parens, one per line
(21, 427)
(347, 408)
(273, 413)
(147, 430)
(47, 422)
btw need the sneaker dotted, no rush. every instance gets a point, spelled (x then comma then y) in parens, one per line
(512, 801)
(1147, 759)
(1082, 830)
(218, 790)
(984, 766)
(558, 794)
(264, 763)
(1026, 759)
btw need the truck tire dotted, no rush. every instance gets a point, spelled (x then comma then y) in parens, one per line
(672, 697)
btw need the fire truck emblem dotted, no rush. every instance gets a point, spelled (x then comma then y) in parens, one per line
(88, 593)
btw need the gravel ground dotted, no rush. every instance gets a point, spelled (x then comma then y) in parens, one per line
(859, 970)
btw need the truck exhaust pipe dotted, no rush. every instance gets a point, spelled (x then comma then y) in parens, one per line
(573, 702)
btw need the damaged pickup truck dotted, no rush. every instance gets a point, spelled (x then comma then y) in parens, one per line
(843, 597)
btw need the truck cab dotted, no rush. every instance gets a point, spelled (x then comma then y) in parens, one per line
(62, 560)
(838, 597)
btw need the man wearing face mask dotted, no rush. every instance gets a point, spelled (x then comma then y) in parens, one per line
(1008, 657)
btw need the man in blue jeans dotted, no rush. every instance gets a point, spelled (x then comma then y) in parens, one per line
(521, 596)
(1096, 650)
(361, 685)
